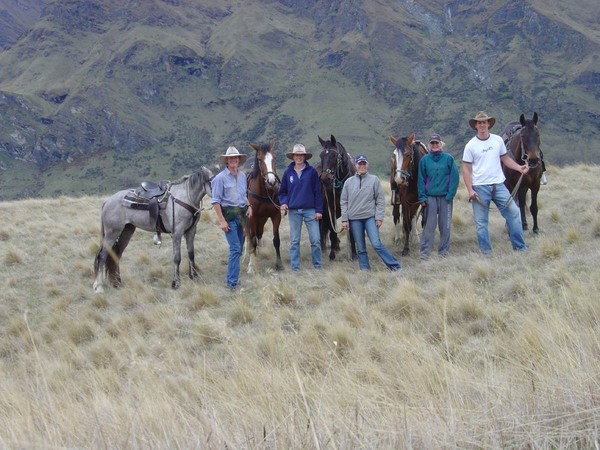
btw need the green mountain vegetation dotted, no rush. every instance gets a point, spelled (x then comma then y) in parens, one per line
(98, 94)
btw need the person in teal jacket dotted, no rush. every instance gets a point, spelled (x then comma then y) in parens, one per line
(437, 183)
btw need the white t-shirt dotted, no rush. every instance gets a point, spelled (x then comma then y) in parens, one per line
(484, 155)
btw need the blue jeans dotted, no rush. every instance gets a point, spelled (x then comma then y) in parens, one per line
(358, 228)
(296, 217)
(235, 239)
(497, 193)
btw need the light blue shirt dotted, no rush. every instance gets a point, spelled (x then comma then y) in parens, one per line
(229, 190)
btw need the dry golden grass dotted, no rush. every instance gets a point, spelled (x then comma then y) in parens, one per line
(459, 352)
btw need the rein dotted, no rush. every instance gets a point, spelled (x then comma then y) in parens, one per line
(337, 183)
(192, 209)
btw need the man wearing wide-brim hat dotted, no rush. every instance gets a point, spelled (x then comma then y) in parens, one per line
(482, 173)
(300, 194)
(230, 202)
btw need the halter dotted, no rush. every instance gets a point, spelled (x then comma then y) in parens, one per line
(524, 156)
(271, 192)
(338, 182)
(411, 163)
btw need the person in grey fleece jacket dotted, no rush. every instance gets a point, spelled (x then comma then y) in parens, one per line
(363, 207)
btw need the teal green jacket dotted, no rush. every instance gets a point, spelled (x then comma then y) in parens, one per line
(438, 176)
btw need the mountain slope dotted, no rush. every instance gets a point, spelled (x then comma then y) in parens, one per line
(103, 93)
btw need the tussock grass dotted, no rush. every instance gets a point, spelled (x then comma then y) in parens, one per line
(465, 351)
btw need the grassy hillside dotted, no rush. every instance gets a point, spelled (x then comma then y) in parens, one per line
(461, 352)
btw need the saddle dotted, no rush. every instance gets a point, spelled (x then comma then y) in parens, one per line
(510, 130)
(148, 197)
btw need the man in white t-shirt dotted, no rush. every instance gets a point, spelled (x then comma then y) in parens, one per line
(484, 179)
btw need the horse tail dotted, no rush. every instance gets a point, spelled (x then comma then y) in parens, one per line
(115, 253)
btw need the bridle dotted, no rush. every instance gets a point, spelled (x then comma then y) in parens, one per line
(269, 188)
(335, 174)
(524, 154)
(406, 174)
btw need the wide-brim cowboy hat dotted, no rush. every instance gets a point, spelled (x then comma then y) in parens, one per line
(479, 117)
(299, 149)
(232, 151)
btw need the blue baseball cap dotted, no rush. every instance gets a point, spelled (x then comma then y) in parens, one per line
(361, 158)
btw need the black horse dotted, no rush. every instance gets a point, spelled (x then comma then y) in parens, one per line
(523, 144)
(335, 168)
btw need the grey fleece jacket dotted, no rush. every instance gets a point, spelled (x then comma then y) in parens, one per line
(362, 197)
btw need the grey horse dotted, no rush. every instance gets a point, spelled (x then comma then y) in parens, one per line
(180, 207)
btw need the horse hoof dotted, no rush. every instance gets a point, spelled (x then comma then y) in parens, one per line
(98, 289)
(175, 285)
(331, 256)
(536, 230)
(405, 253)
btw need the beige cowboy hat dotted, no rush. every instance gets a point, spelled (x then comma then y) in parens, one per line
(480, 116)
(232, 151)
(299, 149)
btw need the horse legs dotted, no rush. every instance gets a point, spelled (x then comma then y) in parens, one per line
(397, 226)
(276, 220)
(176, 259)
(406, 225)
(114, 258)
(189, 242)
(99, 265)
(521, 197)
(534, 208)
(108, 256)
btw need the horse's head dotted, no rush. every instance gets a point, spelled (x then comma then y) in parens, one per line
(264, 164)
(529, 146)
(336, 164)
(198, 185)
(402, 161)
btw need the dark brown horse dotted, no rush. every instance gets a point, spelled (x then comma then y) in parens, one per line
(335, 168)
(263, 185)
(404, 169)
(524, 147)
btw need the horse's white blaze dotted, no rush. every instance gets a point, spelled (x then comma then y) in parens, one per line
(270, 163)
(399, 159)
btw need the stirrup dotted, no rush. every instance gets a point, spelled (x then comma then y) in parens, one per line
(156, 239)
(543, 180)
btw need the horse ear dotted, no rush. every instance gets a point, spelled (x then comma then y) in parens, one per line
(522, 119)
(321, 141)
(535, 118)
(272, 143)
(393, 140)
(333, 140)
(255, 147)
(411, 138)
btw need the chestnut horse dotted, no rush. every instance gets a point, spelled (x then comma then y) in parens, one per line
(523, 146)
(404, 169)
(263, 186)
(335, 168)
